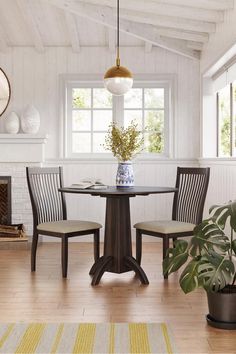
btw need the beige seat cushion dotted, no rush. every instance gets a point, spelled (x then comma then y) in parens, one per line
(67, 226)
(165, 226)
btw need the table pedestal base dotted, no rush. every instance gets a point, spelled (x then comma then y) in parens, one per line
(117, 243)
(103, 264)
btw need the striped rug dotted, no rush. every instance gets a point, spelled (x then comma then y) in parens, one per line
(27, 338)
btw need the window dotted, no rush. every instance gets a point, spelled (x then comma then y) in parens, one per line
(226, 122)
(146, 107)
(90, 109)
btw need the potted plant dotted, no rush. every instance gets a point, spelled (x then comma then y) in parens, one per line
(210, 256)
(124, 144)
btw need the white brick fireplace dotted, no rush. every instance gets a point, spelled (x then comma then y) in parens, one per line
(17, 152)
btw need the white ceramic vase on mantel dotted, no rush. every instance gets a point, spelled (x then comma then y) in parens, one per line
(30, 120)
(12, 123)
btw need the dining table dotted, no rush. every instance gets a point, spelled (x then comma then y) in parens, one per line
(117, 256)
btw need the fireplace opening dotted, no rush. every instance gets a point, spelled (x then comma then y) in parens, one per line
(8, 231)
(5, 200)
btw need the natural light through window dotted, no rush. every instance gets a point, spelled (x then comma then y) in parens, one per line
(91, 116)
(145, 106)
(91, 109)
(226, 108)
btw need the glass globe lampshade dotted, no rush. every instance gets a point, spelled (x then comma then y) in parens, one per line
(118, 80)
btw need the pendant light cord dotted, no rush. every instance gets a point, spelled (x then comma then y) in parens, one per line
(118, 34)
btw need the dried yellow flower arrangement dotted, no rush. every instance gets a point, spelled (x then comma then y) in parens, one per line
(124, 143)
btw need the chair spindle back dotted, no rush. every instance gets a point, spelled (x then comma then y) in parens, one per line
(192, 184)
(48, 203)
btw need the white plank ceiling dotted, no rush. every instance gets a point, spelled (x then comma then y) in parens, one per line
(181, 26)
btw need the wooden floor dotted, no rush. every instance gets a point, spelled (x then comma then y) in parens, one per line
(45, 296)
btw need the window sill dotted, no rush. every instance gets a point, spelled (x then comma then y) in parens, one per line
(218, 160)
(113, 161)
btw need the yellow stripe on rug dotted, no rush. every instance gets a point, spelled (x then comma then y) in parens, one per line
(139, 342)
(57, 339)
(112, 339)
(167, 338)
(6, 334)
(31, 338)
(86, 338)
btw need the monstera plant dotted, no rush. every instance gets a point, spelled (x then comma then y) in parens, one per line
(210, 258)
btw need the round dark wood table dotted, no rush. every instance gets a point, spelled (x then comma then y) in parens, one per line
(117, 257)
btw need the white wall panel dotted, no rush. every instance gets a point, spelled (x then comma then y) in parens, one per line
(34, 78)
(222, 187)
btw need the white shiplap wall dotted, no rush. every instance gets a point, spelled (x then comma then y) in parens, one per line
(34, 78)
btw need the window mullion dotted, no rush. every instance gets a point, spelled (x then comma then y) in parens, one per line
(119, 110)
(217, 125)
(231, 119)
(167, 148)
(91, 120)
(68, 125)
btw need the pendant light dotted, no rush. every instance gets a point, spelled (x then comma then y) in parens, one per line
(118, 80)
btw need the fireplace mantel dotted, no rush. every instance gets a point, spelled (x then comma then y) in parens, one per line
(22, 147)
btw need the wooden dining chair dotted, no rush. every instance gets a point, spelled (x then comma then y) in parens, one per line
(187, 210)
(49, 214)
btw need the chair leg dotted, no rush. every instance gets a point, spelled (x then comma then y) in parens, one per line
(138, 246)
(34, 250)
(64, 255)
(96, 245)
(174, 239)
(165, 248)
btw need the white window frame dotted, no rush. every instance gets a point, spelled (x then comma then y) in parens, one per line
(168, 82)
(232, 152)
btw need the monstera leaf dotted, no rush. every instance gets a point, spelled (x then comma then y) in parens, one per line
(189, 279)
(215, 272)
(222, 212)
(176, 257)
(208, 236)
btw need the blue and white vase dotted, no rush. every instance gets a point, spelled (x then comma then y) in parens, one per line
(125, 175)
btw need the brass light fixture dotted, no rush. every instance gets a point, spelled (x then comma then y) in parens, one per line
(118, 80)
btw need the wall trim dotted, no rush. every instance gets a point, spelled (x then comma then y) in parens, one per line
(112, 161)
(22, 148)
(217, 161)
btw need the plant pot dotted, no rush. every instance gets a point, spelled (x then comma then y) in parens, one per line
(222, 308)
(125, 175)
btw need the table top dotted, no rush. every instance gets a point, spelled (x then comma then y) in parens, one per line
(114, 191)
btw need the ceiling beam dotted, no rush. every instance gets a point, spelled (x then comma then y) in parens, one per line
(203, 4)
(164, 9)
(105, 16)
(195, 45)
(188, 36)
(167, 21)
(73, 31)
(26, 9)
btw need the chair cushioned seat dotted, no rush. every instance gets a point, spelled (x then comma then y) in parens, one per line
(68, 226)
(165, 226)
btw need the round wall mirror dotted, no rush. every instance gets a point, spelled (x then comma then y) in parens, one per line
(5, 91)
